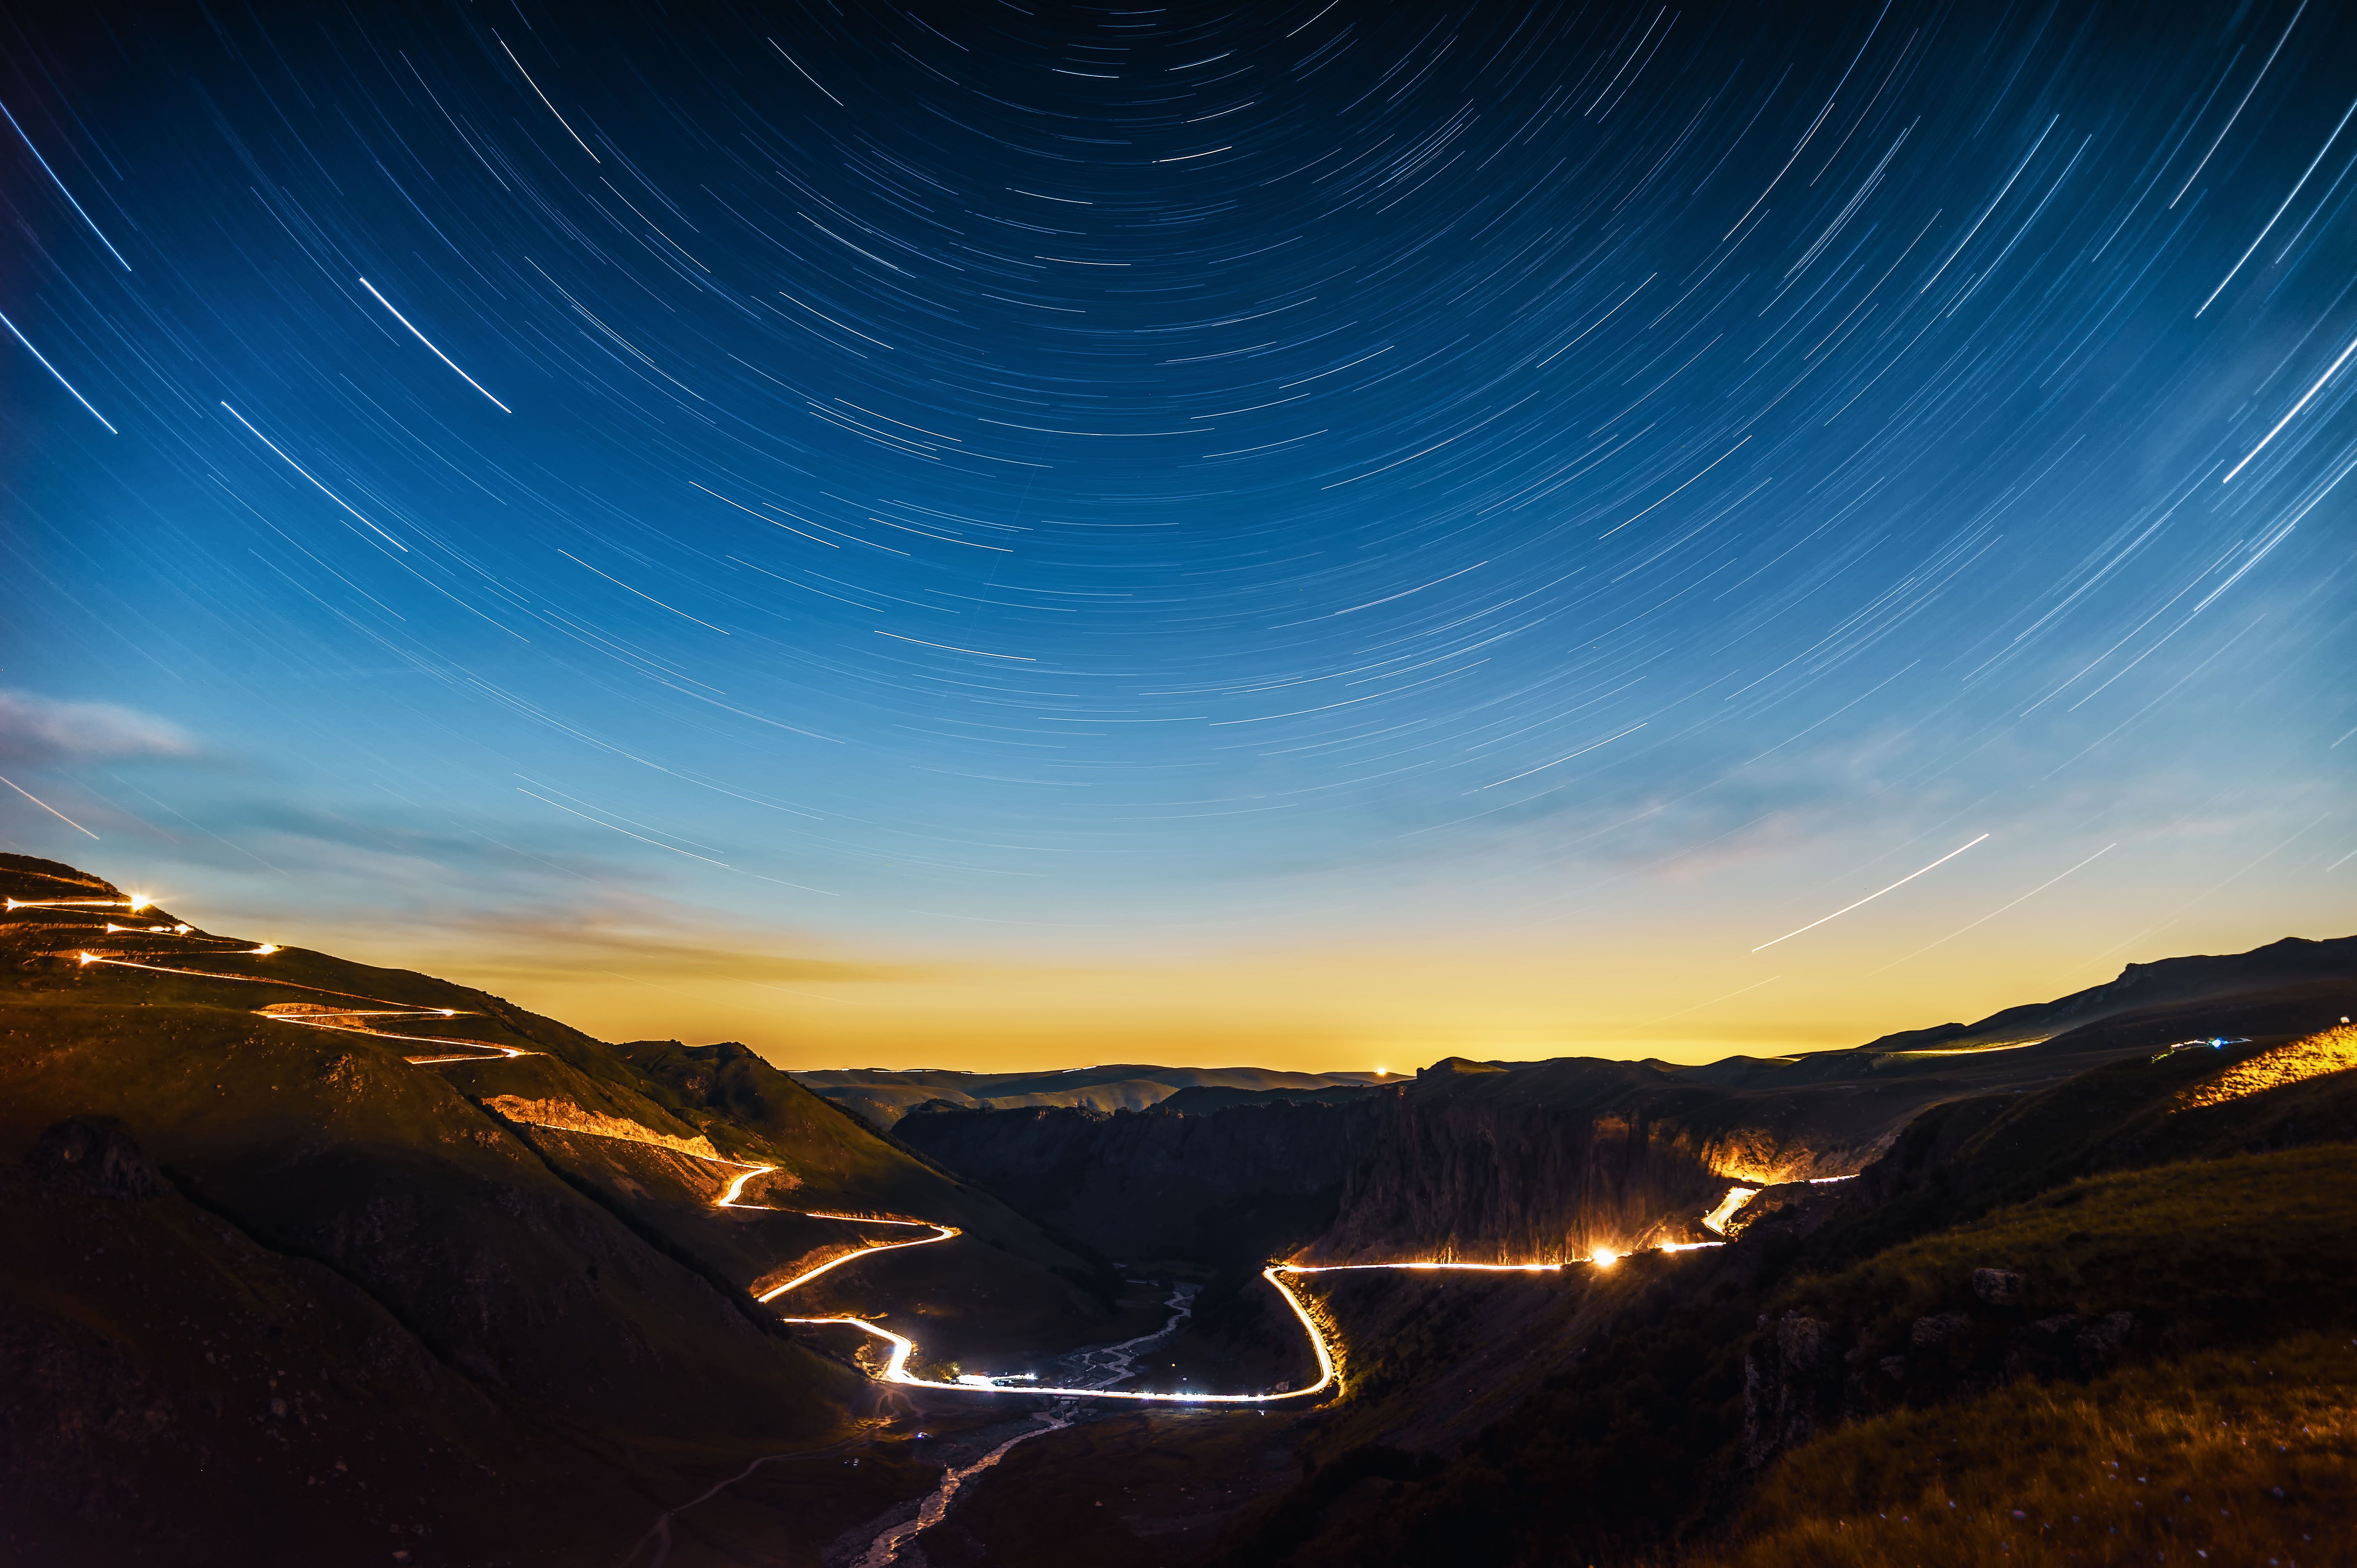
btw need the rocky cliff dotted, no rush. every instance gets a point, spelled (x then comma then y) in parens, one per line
(1538, 1161)
(1225, 1187)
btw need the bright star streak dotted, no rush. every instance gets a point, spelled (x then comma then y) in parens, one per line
(307, 473)
(1993, 914)
(1870, 898)
(438, 354)
(2270, 435)
(51, 811)
(62, 382)
(69, 197)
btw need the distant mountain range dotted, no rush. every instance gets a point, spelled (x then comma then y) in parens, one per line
(2285, 987)
(884, 1095)
(1505, 1160)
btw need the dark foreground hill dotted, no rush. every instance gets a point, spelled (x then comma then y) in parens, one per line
(279, 1295)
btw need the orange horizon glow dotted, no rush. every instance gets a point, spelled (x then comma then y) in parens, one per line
(1675, 991)
(1330, 1010)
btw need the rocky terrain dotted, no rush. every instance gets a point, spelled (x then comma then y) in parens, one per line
(2104, 1319)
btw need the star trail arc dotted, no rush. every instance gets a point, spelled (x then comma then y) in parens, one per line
(1064, 469)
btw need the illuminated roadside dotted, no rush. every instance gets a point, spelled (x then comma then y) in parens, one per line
(902, 1349)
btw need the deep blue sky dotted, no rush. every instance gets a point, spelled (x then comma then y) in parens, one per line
(998, 534)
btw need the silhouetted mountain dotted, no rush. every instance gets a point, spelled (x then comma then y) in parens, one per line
(1508, 1160)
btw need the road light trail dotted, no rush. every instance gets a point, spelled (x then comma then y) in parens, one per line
(340, 1020)
(328, 1020)
(941, 1233)
(903, 1348)
(324, 1018)
(1736, 1196)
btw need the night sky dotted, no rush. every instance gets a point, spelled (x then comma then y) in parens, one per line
(1003, 535)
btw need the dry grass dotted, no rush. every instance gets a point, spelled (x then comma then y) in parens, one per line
(2253, 1247)
(2334, 1050)
(2225, 1458)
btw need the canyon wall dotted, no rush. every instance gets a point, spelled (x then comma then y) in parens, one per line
(1155, 1185)
(1542, 1162)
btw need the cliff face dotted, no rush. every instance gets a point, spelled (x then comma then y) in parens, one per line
(1537, 1164)
(1489, 1179)
(1474, 1163)
(1156, 1186)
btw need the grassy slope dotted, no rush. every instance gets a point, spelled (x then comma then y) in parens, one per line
(2241, 1457)
(2235, 1251)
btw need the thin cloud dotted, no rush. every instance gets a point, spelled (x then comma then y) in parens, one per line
(38, 731)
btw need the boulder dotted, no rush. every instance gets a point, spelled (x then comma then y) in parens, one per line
(1785, 1377)
(1999, 1287)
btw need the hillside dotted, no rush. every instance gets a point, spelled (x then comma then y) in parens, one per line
(433, 1276)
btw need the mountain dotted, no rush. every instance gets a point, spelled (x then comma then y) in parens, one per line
(1500, 1161)
(290, 1293)
(884, 1095)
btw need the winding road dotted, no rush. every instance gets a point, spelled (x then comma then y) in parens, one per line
(901, 1349)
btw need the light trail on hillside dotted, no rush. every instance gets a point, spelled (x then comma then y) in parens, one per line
(335, 1021)
(343, 1020)
(133, 904)
(1736, 1196)
(901, 1349)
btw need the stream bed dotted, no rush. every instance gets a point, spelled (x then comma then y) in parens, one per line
(886, 1542)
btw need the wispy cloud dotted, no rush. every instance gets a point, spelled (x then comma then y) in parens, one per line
(40, 731)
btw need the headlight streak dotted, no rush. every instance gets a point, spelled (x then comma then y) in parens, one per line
(334, 1021)
(1322, 1338)
(343, 1020)
(1736, 1196)
(903, 1348)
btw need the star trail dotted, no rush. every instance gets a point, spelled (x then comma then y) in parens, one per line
(1027, 534)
